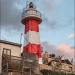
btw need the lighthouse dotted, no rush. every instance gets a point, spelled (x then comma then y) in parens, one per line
(31, 18)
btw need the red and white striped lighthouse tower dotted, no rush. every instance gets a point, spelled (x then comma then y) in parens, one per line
(31, 18)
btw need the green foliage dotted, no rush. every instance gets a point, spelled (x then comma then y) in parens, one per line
(46, 72)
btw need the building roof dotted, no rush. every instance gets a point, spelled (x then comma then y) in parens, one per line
(10, 43)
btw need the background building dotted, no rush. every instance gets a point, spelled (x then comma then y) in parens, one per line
(15, 49)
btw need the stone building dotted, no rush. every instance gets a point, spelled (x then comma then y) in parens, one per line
(15, 49)
(57, 64)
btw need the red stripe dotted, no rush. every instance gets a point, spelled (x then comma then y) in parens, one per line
(32, 25)
(34, 49)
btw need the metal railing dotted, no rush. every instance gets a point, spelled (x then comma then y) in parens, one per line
(31, 12)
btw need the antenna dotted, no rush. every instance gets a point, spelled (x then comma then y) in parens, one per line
(21, 37)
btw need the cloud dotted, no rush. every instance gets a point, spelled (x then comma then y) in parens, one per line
(48, 6)
(52, 49)
(62, 50)
(10, 18)
(66, 50)
(9, 13)
(71, 36)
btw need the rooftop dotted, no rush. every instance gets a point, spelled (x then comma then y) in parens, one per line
(10, 43)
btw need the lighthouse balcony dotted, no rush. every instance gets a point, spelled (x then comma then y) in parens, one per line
(31, 13)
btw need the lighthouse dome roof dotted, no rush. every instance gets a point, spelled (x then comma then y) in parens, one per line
(30, 5)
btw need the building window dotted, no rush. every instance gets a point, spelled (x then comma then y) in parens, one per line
(6, 51)
(70, 68)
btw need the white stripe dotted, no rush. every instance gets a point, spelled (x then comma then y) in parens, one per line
(32, 37)
(40, 61)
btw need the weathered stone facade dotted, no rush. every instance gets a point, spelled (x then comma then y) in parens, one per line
(14, 47)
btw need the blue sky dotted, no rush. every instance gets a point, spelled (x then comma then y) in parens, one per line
(57, 25)
(63, 15)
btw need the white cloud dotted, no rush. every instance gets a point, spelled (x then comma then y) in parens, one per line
(66, 50)
(71, 36)
(49, 5)
(60, 50)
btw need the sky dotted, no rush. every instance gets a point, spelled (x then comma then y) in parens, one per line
(56, 29)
